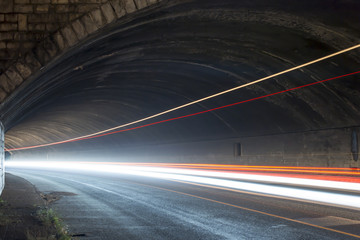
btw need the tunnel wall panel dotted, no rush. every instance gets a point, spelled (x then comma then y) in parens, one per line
(325, 148)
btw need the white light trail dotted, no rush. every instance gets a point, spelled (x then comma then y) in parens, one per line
(224, 92)
(230, 181)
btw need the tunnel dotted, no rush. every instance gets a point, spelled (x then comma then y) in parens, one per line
(179, 52)
(209, 85)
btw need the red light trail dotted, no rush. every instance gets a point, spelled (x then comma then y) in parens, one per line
(319, 173)
(334, 186)
(185, 116)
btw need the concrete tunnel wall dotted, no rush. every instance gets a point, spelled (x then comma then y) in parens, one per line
(325, 148)
(2, 159)
(180, 51)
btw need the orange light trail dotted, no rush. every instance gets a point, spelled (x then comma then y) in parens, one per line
(317, 170)
(315, 173)
(325, 188)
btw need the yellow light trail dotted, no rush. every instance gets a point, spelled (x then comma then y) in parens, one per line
(209, 97)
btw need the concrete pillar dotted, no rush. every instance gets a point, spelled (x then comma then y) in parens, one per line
(2, 164)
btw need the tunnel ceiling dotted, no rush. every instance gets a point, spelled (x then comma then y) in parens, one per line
(181, 51)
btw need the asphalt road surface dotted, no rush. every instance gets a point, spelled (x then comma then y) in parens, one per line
(115, 206)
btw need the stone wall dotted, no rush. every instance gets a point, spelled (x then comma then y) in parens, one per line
(33, 32)
(23, 23)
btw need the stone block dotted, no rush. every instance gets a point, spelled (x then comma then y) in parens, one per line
(13, 54)
(40, 1)
(6, 83)
(59, 41)
(3, 55)
(85, 8)
(12, 45)
(8, 27)
(23, 69)
(89, 23)
(3, 95)
(97, 16)
(2, 17)
(36, 36)
(150, 2)
(140, 4)
(27, 45)
(6, 6)
(19, 36)
(51, 27)
(73, 16)
(130, 6)
(22, 22)
(14, 76)
(42, 8)
(79, 29)
(22, 1)
(11, 17)
(32, 61)
(23, 9)
(6, 36)
(37, 27)
(94, 1)
(38, 18)
(50, 47)
(69, 35)
(108, 12)
(119, 7)
(60, 1)
(63, 8)
(41, 54)
(59, 18)
(2, 45)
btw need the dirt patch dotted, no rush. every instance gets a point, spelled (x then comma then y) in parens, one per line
(25, 213)
(54, 196)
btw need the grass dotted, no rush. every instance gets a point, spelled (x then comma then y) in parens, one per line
(51, 221)
(38, 223)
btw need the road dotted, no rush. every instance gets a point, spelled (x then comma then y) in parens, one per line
(120, 206)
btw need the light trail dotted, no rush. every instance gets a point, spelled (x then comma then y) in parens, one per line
(316, 173)
(321, 173)
(248, 209)
(226, 165)
(290, 169)
(194, 102)
(215, 201)
(288, 187)
(185, 116)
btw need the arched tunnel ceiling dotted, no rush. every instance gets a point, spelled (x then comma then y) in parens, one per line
(181, 51)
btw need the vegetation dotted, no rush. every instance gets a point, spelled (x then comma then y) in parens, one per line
(51, 221)
(36, 223)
